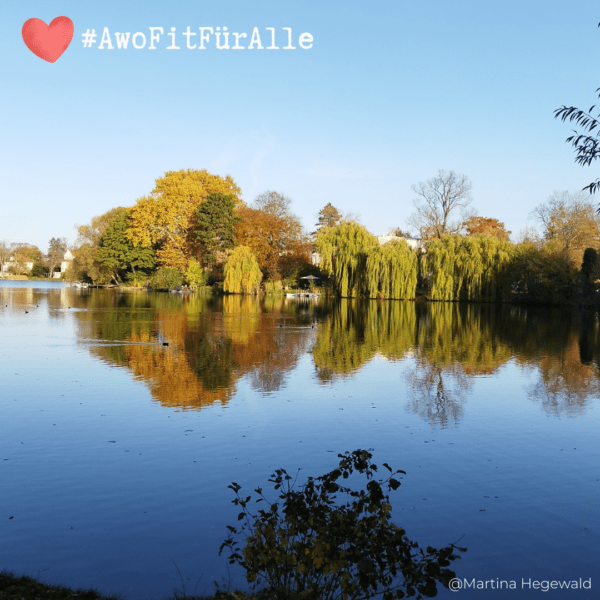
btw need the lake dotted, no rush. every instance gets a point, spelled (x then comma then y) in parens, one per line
(125, 415)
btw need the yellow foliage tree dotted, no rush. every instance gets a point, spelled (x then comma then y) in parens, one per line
(242, 273)
(166, 216)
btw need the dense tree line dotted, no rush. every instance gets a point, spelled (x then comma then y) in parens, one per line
(194, 229)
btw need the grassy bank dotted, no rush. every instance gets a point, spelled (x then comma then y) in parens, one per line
(14, 587)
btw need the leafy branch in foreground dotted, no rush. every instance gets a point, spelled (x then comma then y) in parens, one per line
(318, 546)
(587, 147)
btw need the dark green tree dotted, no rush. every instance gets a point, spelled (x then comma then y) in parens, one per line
(589, 269)
(39, 270)
(215, 226)
(166, 279)
(117, 252)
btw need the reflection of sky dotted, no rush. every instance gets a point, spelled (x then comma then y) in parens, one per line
(141, 483)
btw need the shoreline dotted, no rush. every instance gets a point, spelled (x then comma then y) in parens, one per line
(24, 587)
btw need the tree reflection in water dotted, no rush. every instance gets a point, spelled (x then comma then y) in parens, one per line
(213, 343)
(192, 350)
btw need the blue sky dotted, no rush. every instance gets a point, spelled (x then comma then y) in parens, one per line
(389, 93)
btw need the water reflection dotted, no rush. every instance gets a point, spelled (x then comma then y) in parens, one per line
(192, 351)
(451, 343)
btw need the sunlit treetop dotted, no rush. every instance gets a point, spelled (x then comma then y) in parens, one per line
(165, 216)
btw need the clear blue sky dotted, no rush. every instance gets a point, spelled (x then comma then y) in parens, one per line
(389, 93)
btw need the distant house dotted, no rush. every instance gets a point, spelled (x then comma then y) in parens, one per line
(11, 264)
(415, 243)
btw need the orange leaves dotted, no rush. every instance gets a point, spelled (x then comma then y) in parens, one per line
(486, 226)
(278, 243)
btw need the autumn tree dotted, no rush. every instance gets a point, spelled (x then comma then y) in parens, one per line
(486, 226)
(329, 216)
(117, 253)
(86, 268)
(91, 233)
(438, 198)
(27, 252)
(215, 226)
(23, 255)
(165, 216)
(279, 244)
(570, 224)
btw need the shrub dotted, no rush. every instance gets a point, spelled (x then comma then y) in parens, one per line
(273, 287)
(39, 270)
(166, 279)
(314, 547)
(138, 279)
(195, 275)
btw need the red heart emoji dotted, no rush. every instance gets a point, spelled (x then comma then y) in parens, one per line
(48, 41)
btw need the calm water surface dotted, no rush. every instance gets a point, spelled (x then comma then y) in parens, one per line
(116, 450)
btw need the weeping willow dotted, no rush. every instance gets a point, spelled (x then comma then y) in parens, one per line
(359, 266)
(242, 274)
(392, 271)
(357, 330)
(344, 250)
(464, 337)
(470, 268)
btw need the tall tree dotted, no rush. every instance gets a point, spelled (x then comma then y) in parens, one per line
(392, 271)
(165, 216)
(472, 268)
(279, 244)
(57, 247)
(570, 223)
(24, 256)
(91, 233)
(438, 198)
(215, 226)
(344, 250)
(27, 252)
(118, 254)
(486, 226)
(86, 268)
(329, 216)
(274, 203)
